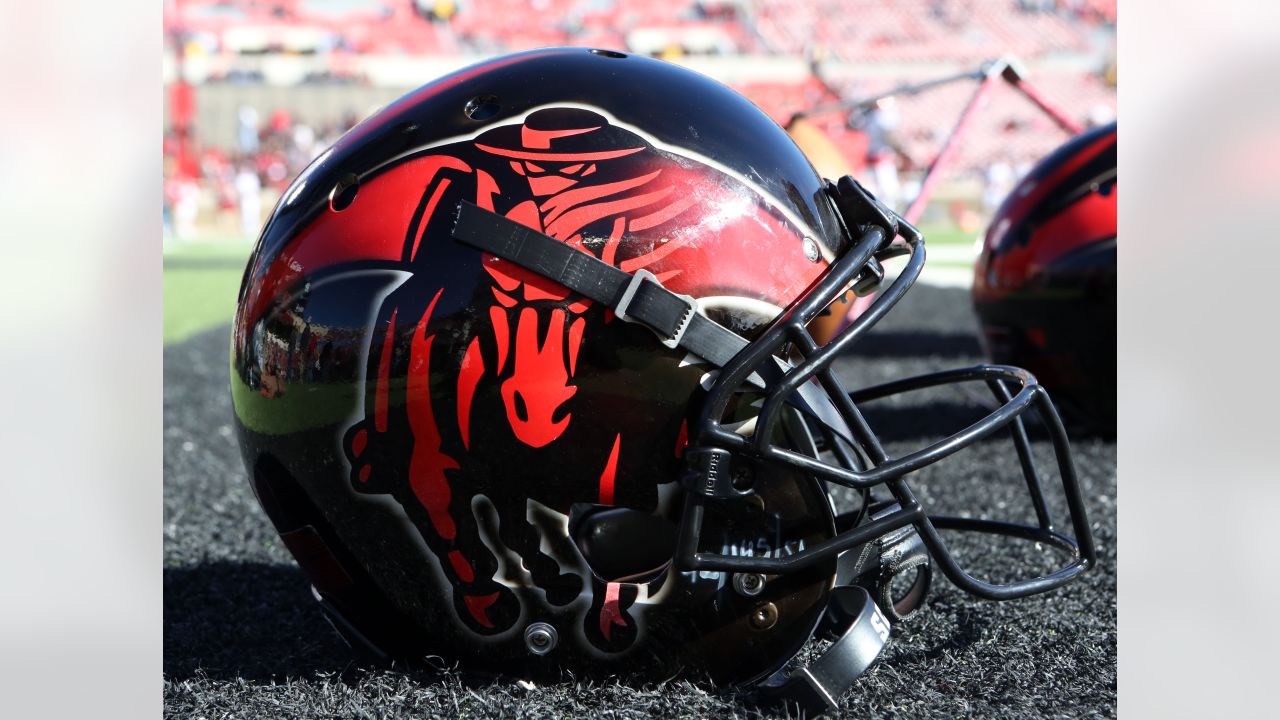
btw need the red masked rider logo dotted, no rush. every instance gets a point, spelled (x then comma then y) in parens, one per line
(473, 379)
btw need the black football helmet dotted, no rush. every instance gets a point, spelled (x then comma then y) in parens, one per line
(522, 378)
(1044, 286)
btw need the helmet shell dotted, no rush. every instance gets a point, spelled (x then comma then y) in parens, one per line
(1045, 281)
(434, 430)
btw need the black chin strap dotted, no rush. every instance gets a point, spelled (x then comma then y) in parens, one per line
(855, 621)
(817, 688)
(636, 298)
(876, 565)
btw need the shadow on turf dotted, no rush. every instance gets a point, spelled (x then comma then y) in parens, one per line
(916, 344)
(245, 620)
(258, 622)
(924, 421)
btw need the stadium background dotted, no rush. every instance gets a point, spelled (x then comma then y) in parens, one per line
(255, 88)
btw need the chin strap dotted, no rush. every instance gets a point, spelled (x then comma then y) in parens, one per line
(817, 687)
(637, 298)
(857, 624)
(876, 565)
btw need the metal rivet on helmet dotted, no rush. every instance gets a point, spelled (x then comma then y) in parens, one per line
(811, 249)
(540, 638)
(764, 617)
(749, 584)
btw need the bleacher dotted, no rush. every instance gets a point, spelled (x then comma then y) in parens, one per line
(850, 30)
(914, 30)
(290, 54)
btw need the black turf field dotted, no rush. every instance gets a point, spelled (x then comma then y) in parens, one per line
(244, 640)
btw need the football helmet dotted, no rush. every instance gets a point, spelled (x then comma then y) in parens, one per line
(1044, 285)
(521, 377)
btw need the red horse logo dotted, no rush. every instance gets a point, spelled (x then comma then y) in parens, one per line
(473, 380)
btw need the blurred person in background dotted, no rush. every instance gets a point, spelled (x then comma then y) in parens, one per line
(304, 148)
(247, 129)
(998, 180)
(272, 161)
(279, 122)
(186, 202)
(441, 11)
(880, 125)
(167, 214)
(1100, 114)
(249, 193)
(217, 171)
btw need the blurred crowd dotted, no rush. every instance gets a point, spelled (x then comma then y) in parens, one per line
(270, 151)
(231, 188)
(240, 46)
(855, 28)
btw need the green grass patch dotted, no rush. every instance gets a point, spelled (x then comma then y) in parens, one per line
(946, 234)
(197, 299)
(227, 248)
(201, 279)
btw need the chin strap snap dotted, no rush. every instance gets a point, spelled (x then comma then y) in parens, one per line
(876, 565)
(816, 688)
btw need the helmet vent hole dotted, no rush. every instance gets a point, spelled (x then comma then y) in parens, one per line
(481, 107)
(607, 53)
(344, 192)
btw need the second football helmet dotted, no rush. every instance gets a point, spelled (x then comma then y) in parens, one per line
(1044, 285)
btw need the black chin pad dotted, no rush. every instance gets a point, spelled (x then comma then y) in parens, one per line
(623, 544)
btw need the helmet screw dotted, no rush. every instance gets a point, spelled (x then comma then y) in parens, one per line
(764, 617)
(749, 584)
(811, 249)
(540, 638)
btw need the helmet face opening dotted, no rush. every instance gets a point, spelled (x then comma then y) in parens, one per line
(540, 395)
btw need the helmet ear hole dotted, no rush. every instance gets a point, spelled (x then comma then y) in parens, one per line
(344, 192)
(606, 537)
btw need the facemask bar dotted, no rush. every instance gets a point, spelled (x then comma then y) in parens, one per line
(716, 450)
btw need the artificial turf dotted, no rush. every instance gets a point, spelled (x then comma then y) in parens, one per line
(243, 638)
